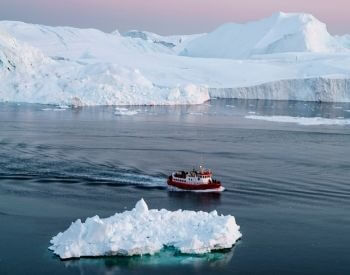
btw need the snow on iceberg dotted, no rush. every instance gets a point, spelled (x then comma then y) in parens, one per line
(307, 121)
(146, 231)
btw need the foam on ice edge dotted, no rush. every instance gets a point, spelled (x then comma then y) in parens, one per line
(146, 231)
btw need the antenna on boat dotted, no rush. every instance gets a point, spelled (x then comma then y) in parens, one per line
(200, 131)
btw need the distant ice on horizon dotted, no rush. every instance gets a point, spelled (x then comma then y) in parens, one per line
(306, 121)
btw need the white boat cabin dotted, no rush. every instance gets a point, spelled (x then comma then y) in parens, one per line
(193, 177)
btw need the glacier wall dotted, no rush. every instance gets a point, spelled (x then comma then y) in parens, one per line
(309, 89)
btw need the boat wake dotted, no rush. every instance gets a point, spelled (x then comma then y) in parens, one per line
(139, 179)
(48, 164)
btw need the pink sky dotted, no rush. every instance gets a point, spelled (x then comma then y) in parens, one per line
(168, 16)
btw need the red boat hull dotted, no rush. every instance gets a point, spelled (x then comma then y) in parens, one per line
(186, 186)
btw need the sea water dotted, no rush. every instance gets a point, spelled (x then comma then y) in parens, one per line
(287, 184)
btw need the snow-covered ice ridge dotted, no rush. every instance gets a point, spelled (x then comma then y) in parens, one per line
(285, 56)
(146, 231)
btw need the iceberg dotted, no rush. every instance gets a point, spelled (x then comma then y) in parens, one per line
(279, 33)
(27, 75)
(143, 231)
(282, 57)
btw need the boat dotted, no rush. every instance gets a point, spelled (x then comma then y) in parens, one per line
(196, 180)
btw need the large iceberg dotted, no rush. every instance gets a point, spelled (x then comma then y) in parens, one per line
(147, 231)
(28, 75)
(283, 57)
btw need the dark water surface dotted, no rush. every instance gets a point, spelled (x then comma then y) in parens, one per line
(287, 185)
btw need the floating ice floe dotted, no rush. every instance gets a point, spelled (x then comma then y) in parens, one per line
(195, 113)
(53, 109)
(303, 120)
(63, 106)
(125, 112)
(57, 108)
(147, 231)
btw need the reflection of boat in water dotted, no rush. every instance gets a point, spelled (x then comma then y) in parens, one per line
(194, 180)
(194, 199)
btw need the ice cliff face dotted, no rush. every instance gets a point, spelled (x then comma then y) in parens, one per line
(19, 57)
(22, 69)
(277, 34)
(309, 89)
